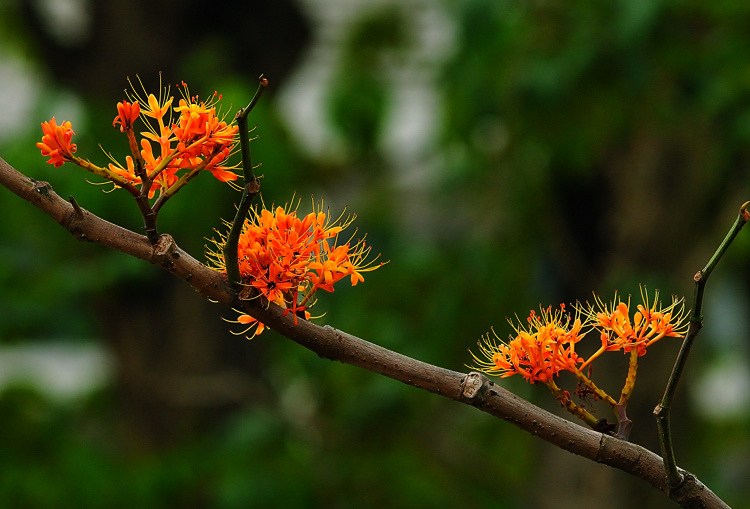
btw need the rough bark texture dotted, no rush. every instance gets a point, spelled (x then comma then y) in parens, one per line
(473, 389)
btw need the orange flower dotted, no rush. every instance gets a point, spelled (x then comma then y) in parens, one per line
(164, 180)
(256, 326)
(200, 140)
(649, 323)
(127, 114)
(252, 325)
(222, 173)
(194, 139)
(546, 346)
(199, 121)
(538, 352)
(157, 108)
(274, 284)
(287, 259)
(329, 266)
(127, 173)
(203, 138)
(56, 142)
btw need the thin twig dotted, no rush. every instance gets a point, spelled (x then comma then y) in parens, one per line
(149, 214)
(184, 179)
(674, 478)
(77, 208)
(251, 189)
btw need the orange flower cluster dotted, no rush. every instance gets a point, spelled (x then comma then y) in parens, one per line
(287, 259)
(649, 324)
(56, 142)
(178, 143)
(547, 346)
(538, 352)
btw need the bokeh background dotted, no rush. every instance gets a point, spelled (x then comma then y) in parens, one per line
(500, 154)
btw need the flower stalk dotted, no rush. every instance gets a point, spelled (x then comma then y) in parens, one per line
(564, 398)
(589, 384)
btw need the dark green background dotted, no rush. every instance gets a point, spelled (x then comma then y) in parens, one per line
(575, 147)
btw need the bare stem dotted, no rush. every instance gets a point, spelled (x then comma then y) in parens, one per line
(674, 477)
(149, 215)
(251, 189)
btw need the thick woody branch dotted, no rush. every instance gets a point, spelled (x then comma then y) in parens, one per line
(472, 389)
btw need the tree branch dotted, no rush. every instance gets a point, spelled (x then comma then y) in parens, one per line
(662, 410)
(249, 191)
(472, 389)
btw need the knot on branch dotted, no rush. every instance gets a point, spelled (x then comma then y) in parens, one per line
(474, 387)
(165, 251)
(253, 186)
(41, 188)
(683, 492)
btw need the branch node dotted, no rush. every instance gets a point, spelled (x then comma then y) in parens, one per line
(41, 187)
(474, 387)
(678, 482)
(606, 428)
(253, 187)
(165, 251)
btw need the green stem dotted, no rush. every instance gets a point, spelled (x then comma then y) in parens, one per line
(624, 425)
(591, 385)
(251, 189)
(627, 389)
(184, 179)
(140, 165)
(149, 214)
(674, 478)
(571, 407)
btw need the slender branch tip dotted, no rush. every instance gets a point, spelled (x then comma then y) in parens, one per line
(77, 208)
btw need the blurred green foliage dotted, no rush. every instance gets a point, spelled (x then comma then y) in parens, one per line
(580, 147)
